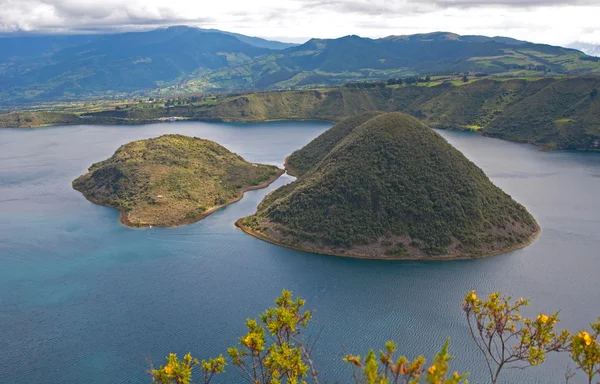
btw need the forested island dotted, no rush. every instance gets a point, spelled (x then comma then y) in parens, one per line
(171, 180)
(386, 186)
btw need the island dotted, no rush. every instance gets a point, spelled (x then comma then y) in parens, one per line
(386, 186)
(171, 180)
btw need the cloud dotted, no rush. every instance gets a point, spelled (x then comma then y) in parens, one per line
(70, 15)
(400, 7)
(547, 21)
(511, 3)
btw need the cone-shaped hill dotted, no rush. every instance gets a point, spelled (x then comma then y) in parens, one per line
(392, 188)
(171, 180)
(304, 159)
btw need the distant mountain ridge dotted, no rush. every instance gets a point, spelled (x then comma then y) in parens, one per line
(185, 59)
(587, 48)
(256, 41)
(449, 36)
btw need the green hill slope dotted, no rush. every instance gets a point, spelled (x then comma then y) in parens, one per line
(123, 62)
(327, 62)
(171, 180)
(555, 113)
(393, 188)
(302, 160)
(564, 114)
(185, 59)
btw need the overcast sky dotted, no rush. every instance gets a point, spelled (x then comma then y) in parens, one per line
(544, 21)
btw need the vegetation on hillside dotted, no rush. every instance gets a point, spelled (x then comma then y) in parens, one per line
(555, 113)
(302, 160)
(184, 59)
(392, 188)
(38, 119)
(278, 349)
(171, 180)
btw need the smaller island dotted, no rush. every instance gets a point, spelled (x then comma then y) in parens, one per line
(386, 186)
(171, 180)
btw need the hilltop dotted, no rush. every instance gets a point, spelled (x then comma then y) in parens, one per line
(301, 161)
(392, 188)
(171, 180)
(182, 59)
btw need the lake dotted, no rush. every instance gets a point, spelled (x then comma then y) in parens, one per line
(86, 300)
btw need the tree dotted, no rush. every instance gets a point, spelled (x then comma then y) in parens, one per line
(274, 351)
(427, 79)
(465, 79)
(180, 371)
(505, 338)
(389, 370)
(585, 351)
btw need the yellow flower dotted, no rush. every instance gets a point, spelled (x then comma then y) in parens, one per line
(542, 319)
(587, 339)
(248, 341)
(473, 296)
(432, 369)
(169, 369)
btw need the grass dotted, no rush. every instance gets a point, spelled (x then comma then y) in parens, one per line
(171, 180)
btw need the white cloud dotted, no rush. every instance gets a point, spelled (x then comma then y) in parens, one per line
(545, 21)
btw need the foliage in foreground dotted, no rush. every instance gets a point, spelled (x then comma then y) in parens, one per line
(505, 338)
(277, 349)
(389, 370)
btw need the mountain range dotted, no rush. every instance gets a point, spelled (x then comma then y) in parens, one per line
(185, 59)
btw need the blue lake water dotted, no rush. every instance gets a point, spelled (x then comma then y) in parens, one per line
(86, 300)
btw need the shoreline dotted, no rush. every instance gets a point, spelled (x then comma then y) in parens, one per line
(262, 237)
(124, 217)
(118, 121)
(287, 169)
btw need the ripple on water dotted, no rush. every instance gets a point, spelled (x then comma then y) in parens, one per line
(84, 299)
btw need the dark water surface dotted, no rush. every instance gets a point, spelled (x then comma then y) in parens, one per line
(86, 300)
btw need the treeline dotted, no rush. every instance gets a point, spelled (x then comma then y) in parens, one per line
(412, 80)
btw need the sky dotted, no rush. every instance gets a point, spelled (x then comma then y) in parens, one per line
(541, 21)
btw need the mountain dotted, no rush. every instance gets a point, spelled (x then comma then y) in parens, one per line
(181, 59)
(437, 52)
(171, 180)
(587, 48)
(136, 60)
(327, 62)
(449, 36)
(19, 48)
(256, 41)
(393, 188)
